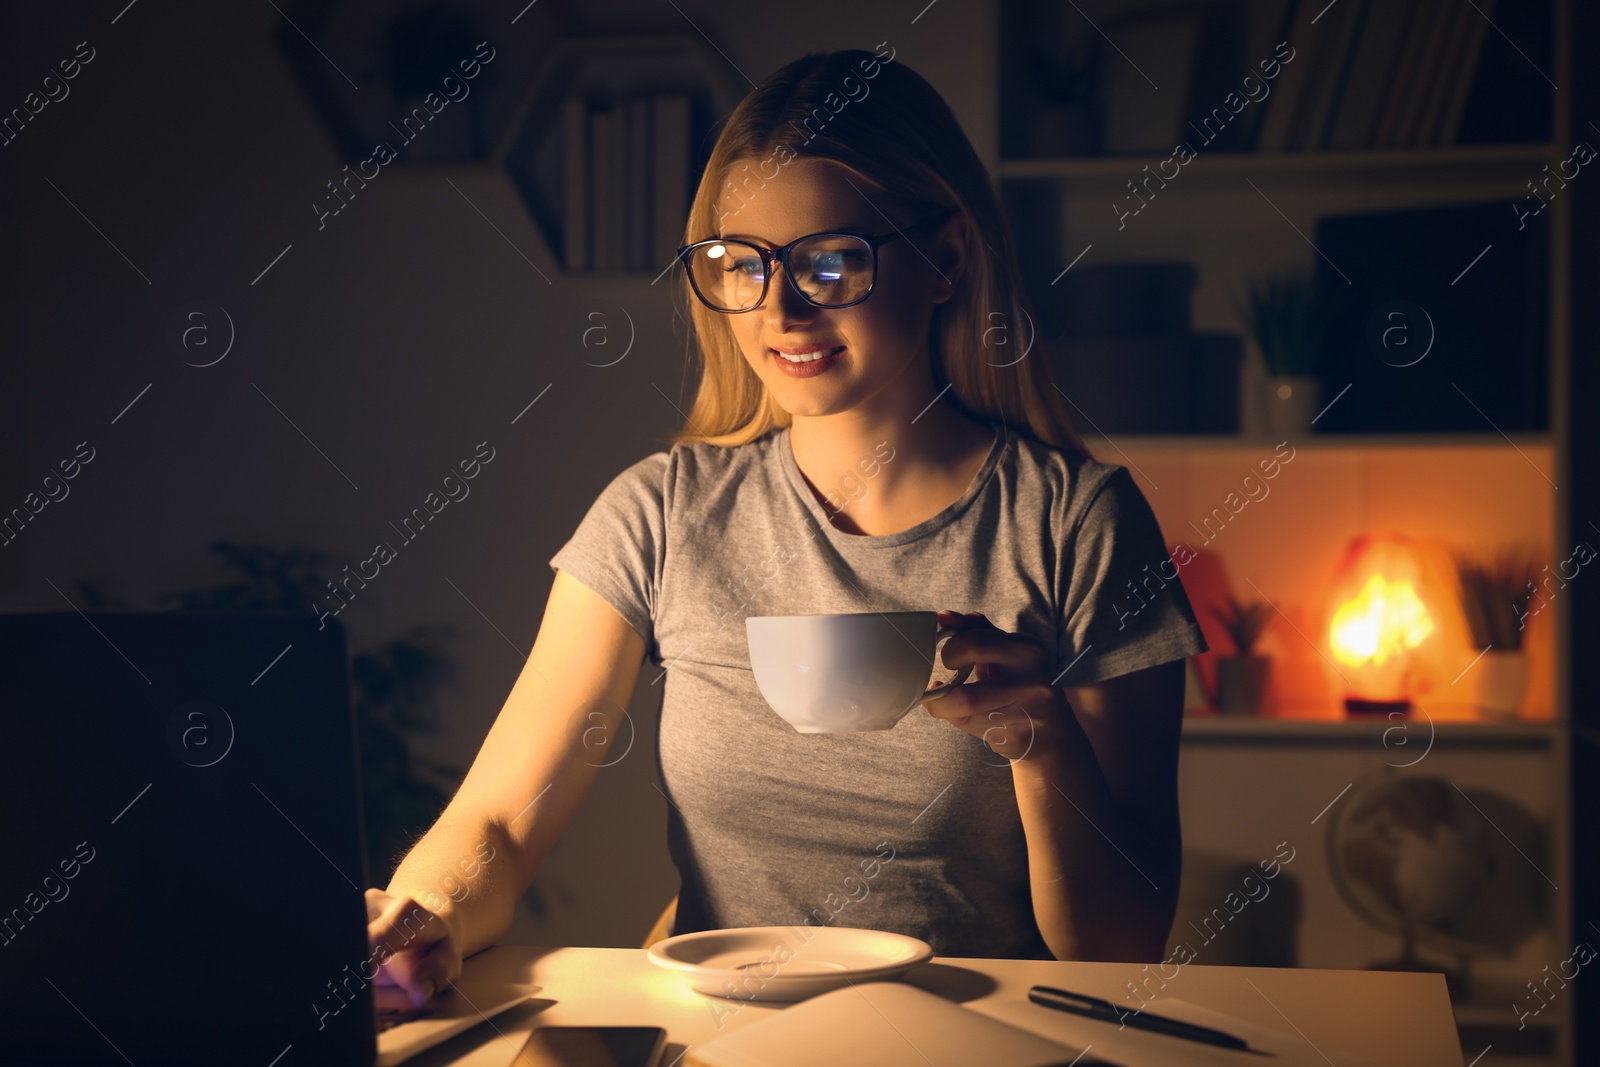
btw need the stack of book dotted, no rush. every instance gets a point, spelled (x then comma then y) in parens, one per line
(626, 181)
(1375, 74)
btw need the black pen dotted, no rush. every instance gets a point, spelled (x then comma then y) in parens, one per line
(1104, 1010)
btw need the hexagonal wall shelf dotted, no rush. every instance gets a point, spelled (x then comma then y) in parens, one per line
(365, 65)
(607, 142)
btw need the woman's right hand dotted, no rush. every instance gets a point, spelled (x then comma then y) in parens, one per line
(415, 948)
(586, 655)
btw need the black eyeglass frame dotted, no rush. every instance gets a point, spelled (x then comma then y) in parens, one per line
(873, 241)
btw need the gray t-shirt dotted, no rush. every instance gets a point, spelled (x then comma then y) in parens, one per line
(914, 829)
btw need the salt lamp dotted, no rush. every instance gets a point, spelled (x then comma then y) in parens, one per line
(1384, 625)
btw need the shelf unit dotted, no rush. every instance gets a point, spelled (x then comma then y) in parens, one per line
(1263, 766)
(1234, 767)
(1509, 164)
(1100, 443)
(1204, 729)
(611, 66)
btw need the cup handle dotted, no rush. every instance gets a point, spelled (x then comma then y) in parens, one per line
(961, 676)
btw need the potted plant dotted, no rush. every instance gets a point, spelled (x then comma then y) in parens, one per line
(394, 684)
(1495, 594)
(1285, 319)
(1242, 678)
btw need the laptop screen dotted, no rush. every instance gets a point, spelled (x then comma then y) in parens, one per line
(183, 876)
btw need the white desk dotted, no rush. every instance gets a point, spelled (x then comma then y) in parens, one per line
(1387, 1018)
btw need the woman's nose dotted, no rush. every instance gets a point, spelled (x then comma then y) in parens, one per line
(783, 303)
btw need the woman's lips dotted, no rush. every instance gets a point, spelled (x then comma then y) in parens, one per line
(808, 369)
(806, 353)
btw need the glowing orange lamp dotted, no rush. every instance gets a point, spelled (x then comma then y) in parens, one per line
(1381, 619)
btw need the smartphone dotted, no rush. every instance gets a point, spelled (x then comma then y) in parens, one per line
(593, 1046)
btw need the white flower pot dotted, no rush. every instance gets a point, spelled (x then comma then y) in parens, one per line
(1288, 405)
(1501, 679)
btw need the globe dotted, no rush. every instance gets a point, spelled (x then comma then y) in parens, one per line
(1410, 855)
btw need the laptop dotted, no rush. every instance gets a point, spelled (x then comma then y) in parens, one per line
(184, 872)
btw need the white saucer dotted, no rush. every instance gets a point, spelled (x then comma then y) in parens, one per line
(786, 963)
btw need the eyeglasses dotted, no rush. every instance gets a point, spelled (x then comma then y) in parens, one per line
(829, 270)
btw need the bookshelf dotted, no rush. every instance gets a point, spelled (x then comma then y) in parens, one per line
(1224, 729)
(1183, 443)
(1508, 165)
(1391, 107)
(606, 144)
(1230, 766)
(1236, 210)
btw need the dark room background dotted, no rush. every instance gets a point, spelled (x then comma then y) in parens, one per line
(260, 376)
(168, 201)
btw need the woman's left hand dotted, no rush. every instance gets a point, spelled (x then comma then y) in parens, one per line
(1009, 704)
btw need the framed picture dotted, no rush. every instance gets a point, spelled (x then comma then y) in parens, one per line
(1148, 78)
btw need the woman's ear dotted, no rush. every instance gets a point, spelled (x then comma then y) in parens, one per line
(950, 253)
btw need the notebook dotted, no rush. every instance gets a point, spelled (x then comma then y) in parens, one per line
(883, 1024)
(892, 1024)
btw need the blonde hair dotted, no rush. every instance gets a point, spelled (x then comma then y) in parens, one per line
(900, 135)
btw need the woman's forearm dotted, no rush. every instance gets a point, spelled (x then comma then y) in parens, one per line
(461, 870)
(1104, 879)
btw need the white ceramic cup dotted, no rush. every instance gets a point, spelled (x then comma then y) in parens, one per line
(835, 674)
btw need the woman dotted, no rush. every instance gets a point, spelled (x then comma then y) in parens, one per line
(924, 460)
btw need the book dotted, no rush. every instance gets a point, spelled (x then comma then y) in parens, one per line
(1225, 33)
(617, 189)
(576, 176)
(638, 177)
(1504, 104)
(600, 123)
(670, 168)
(1335, 46)
(1397, 74)
(625, 178)
(1450, 124)
(1285, 99)
(1452, 49)
(1419, 28)
(1278, 17)
(1428, 45)
(1375, 59)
